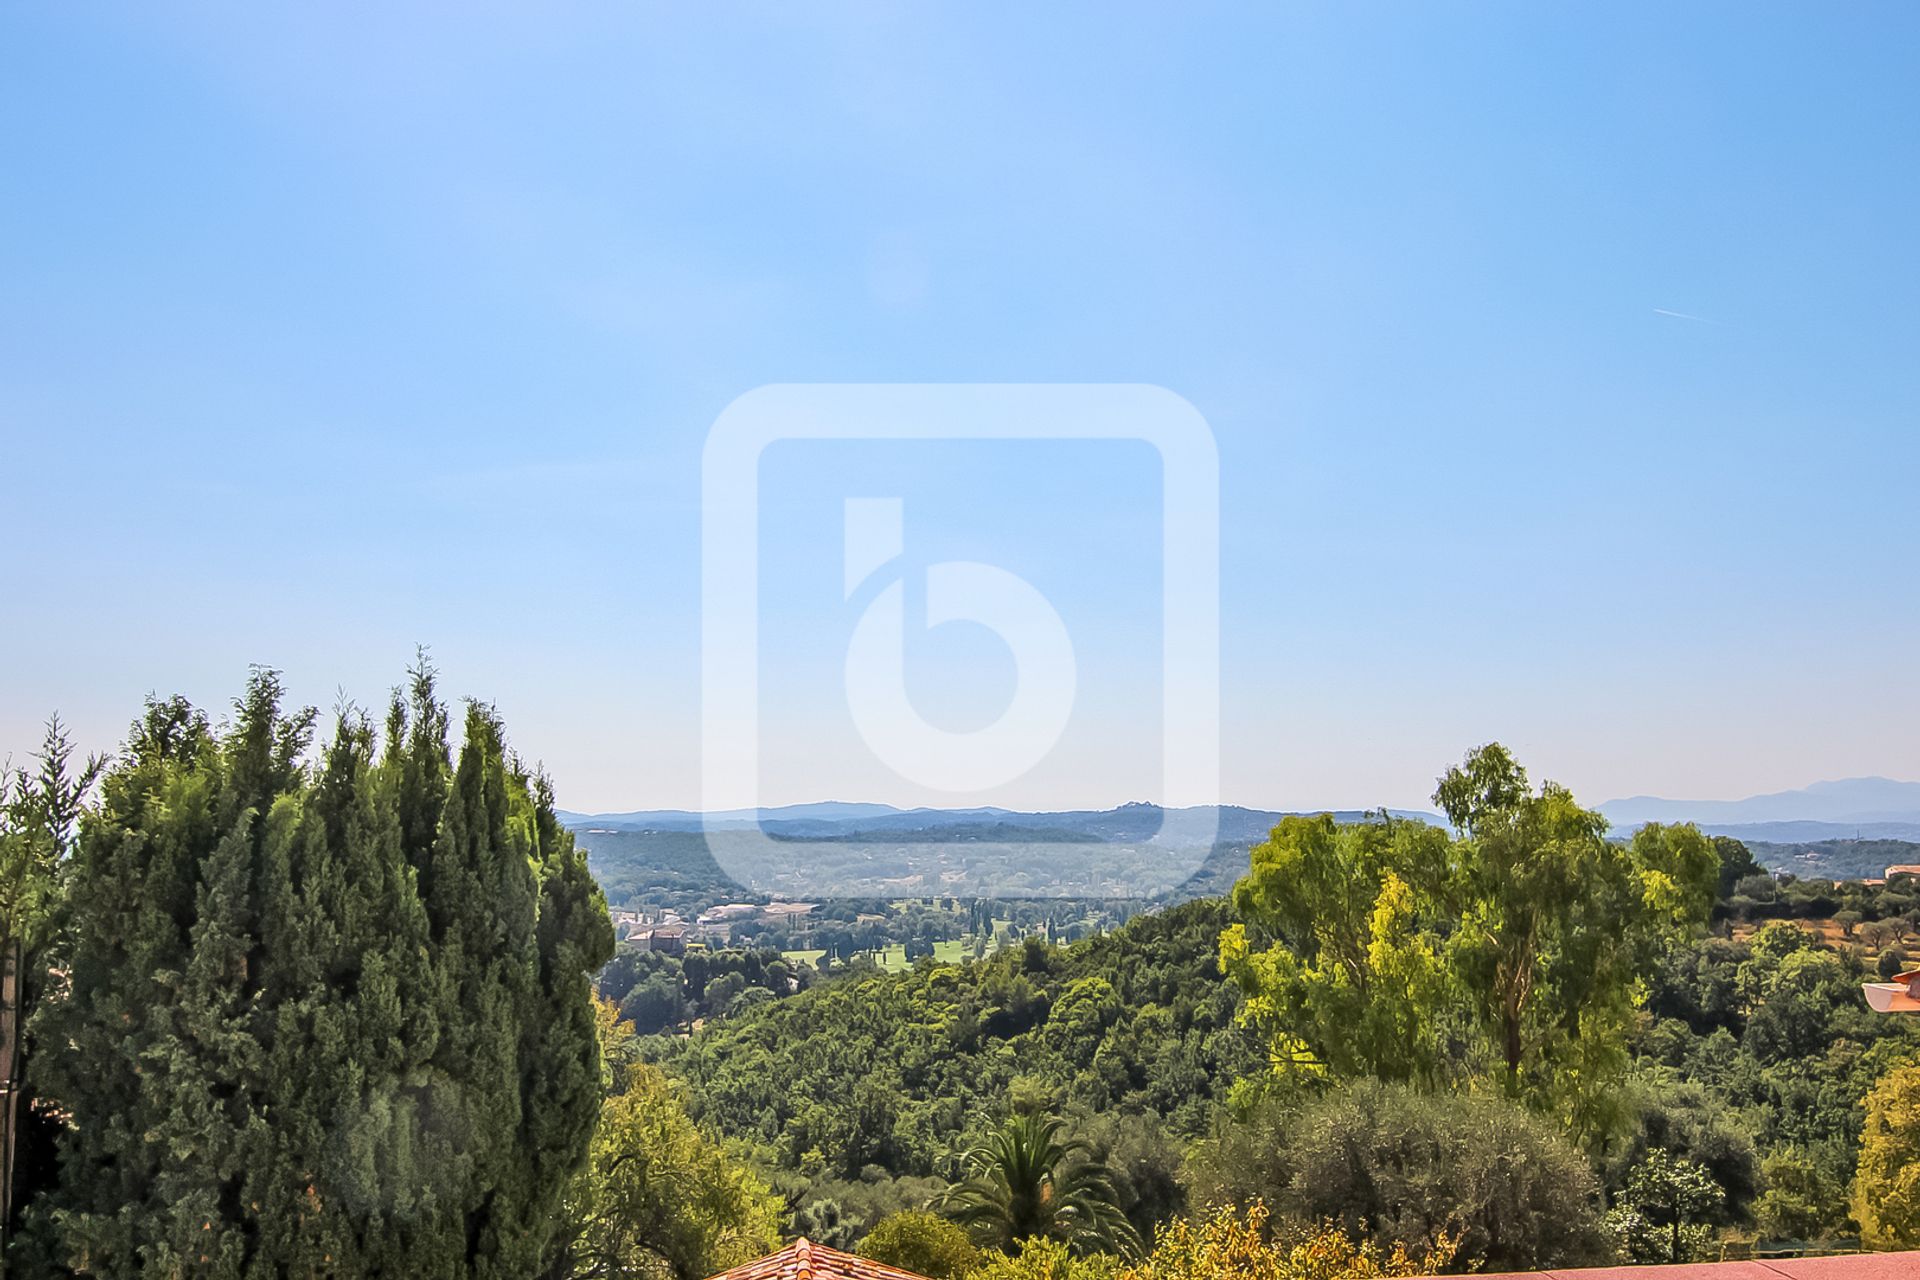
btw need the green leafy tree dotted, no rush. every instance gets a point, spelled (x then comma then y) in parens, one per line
(824, 1220)
(344, 960)
(924, 1243)
(320, 1018)
(1803, 1200)
(654, 1005)
(1886, 1189)
(1558, 927)
(1767, 951)
(1528, 929)
(660, 1199)
(1664, 1213)
(1354, 983)
(720, 992)
(1027, 1180)
(1794, 1018)
(1737, 864)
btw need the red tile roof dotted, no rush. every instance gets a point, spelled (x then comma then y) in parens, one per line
(1852, 1266)
(805, 1260)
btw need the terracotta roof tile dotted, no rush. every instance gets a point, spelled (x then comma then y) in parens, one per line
(805, 1260)
(1852, 1266)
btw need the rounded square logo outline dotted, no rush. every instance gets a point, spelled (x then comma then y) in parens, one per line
(1190, 556)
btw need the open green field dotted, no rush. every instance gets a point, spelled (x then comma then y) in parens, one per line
(894, 959)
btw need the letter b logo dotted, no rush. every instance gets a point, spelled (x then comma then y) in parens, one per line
(957, 591)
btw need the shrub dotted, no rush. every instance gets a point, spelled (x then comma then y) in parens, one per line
(922, 1242)
(1886, 1189)
(1234, 1245)
(1386, 1162)
(1044, 1259)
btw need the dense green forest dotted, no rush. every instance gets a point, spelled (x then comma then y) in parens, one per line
(873, 1078)
(327, 1008)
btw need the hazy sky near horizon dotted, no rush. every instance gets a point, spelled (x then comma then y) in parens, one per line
(1561, 363)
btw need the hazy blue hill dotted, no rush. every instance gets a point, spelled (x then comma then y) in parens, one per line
(1844, 802)
(924, 832)
(688, 820)
(837, 819)
(1755, 833)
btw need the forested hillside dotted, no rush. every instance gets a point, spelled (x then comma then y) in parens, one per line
(1836, 859)
(1722, 1095)
(875, 1077)
(1755, 1058)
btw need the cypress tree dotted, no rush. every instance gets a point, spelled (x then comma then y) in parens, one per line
(354, 1024)
(39, 811)
(561, 1079)
(327, 1019)
(516, 927)
(126, 917)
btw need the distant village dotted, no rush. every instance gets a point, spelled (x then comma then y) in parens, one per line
(668, 931)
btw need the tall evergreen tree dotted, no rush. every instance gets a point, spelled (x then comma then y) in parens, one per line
(126, 923)
(38, 813)
(326, 1019)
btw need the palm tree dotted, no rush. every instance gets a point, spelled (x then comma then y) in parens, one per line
(1026, 1181)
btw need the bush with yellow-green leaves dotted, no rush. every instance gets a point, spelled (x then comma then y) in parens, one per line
(1886, 1190)
(1235, 1245)
(1229, 1244)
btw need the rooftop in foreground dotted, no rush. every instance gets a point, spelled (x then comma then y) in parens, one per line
(1849, 1266)
(805, 1260)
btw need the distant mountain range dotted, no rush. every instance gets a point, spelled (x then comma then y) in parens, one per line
(833, 819)
(1846, 809)
(1844, 829)
(1849, 808)
(831, 811)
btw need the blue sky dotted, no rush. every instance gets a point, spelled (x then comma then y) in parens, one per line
(325, 333)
